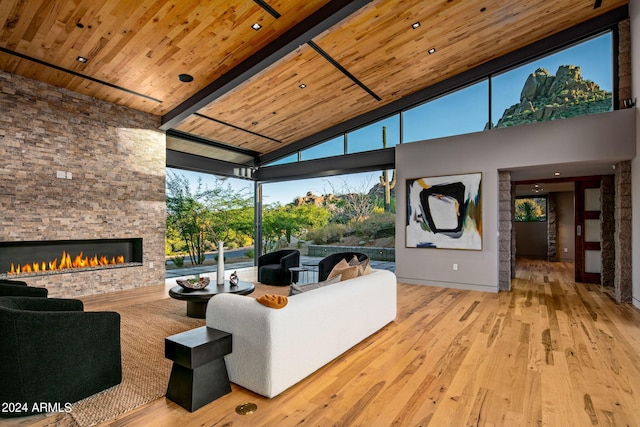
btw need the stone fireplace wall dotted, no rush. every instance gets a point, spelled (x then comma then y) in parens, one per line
(74, 167)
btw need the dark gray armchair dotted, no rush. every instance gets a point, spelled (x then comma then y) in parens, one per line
(51, 351)
(327, 263)
(273, 268)
(18, 288)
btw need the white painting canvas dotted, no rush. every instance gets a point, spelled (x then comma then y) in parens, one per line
(444, 212)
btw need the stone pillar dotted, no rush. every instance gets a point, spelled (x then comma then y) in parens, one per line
(607, 231)
(552, 228)
(623, 237)
(506, 240)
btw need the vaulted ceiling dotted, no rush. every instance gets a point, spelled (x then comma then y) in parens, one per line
(311, 65)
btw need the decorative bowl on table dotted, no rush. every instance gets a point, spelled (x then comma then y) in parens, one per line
(200, 283)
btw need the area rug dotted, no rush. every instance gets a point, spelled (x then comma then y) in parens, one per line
(145, 371)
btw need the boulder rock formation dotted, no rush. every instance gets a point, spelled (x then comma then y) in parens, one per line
(546, 97)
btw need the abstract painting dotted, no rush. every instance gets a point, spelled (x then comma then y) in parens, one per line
(444, 212)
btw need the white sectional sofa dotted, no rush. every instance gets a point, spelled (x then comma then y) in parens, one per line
(274, 349)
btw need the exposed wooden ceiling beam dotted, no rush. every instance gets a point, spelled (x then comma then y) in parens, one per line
(323, 19)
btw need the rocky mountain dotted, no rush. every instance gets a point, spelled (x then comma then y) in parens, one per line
(546, 97)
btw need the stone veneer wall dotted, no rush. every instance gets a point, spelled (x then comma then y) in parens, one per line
(506, 236)
(607, 231)
(623, 236)
(117, 159)
(552, 227)
(624, 61)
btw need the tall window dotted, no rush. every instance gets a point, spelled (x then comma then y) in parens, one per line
(333, 147)
(574, 82)
(370, 137)
(346, 210)
(291, 158)
(457, 113)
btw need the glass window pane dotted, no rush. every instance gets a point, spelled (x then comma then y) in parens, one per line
(292, 158)
(460, 112)
(333, 147)
(592, 261)
(576, 81)
(531, 209)
(370, 137)
(592, 230)
(351, 209)
(591, 199)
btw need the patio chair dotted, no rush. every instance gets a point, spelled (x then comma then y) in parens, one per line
(273, 268)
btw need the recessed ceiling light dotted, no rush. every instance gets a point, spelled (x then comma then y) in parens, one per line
(185, 78)
(432, 50)
(256, 26)
(302, 86)
(557, 174)
(81, 59)
(415, 25)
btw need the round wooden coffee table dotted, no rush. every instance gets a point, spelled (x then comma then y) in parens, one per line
(197, 299)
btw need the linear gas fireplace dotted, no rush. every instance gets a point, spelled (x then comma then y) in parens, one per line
(37, 258)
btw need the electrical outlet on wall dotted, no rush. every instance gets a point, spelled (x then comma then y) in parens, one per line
(455, 267)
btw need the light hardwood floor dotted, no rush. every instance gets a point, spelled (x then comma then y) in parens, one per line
(550, 352)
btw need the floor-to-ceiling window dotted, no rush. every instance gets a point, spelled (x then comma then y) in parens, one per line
(345, 210)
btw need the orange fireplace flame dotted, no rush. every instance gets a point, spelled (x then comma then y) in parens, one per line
(66, 262)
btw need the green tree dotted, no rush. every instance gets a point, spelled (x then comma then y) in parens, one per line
(203, 216)
(287, 221)
(528, 210)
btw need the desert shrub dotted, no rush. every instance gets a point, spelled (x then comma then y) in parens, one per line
(330, 233)
(376, 226)
(177, 260)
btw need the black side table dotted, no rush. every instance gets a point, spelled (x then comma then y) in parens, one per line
(199, 374)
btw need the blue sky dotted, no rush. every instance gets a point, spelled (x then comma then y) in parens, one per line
(438, 118)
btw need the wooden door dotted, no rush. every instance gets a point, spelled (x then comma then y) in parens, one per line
(588, 231)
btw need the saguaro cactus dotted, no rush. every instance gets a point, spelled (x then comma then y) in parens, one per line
(384, 178)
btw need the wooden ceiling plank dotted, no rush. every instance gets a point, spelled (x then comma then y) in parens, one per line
(14, 26)
(130, 67)
(318, 22)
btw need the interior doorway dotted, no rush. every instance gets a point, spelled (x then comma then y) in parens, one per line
(572, 228)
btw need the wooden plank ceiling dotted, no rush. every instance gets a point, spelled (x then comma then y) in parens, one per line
(136, 49)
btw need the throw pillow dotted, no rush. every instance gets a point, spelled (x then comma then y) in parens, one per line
(296, 289)
(347, 272)
(339, 266)
(273, 301)
(364, 267)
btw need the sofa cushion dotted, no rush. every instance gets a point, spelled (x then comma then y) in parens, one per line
(343, 268)
(296, 289)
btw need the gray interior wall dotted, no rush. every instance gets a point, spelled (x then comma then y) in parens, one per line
(566, 226)
(607, 136)
(634, 14)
